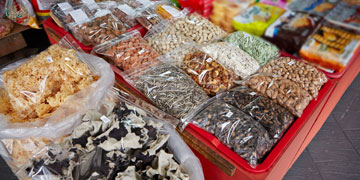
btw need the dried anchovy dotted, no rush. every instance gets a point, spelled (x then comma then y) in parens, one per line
(256, 47)
(236, 130)
(171, 90)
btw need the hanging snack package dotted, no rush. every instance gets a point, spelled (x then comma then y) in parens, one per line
(165, 38)
(21, 12)
(198, 29)
(275, 118)
(125, 14)
(127, 52)
(98, 29)
(317, 7)
(307, 76)
(346, 14)
(284, 91)
(331, 47)
(47, 94)
(257, 18)
(121, 141)
(169, 88)
(204, 70)
(234, 128)
(233, 58)
(291, 30)
(259, 49)
(6, 26)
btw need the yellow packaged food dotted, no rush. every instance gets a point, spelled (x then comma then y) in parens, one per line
(257, 18)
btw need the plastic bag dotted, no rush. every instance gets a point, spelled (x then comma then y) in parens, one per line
(127, 52)
(6, 26)
(198, 29)
(285, 92)
(64, 14)
(164, 38)
(141, 4)
(233, 58)
(345, 14)
(277, 3)
(261, 50)
(291, 30)
(331, 47)
(167, 11)
(169, 88)
(204, 70)
(318, 7)
(308, 77)
(21, 12)
(257, 18)
(125, 14)
(275, 118)
(98, 29)
(235, 129)
(59, 89)
(119, 141)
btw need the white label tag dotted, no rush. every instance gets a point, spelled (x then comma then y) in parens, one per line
(252, 93)
(88, 1)
(78, 15)
(291, 63)
(229, 114)
(127, 9)
(105, 119)
(102, 12)
(171, 10)
(142, 51)
(208, 60)
(49, 59)
(144, 2)
(65, 6)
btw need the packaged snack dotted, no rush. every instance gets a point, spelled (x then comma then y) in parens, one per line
(308, 77)
(141, 4)
(169, 88)
(261, 50)
(318, 7)
(233, 58)
(285, 92)
(126, 14)
(273, 117)
(164, 38)
(257, 18)
(277, 3)
(64, 14)
(198, 29)
(127, 52)
(21, 12)
(235, 129)
(148, 18)
(291, 30)
(346, 14)
(6, 26)
(331, 47)
(120, 142)
(98, 29)
(51, 91)
(167, 11)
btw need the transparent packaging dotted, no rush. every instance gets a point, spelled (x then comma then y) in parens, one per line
(126, 14)
(21, 12)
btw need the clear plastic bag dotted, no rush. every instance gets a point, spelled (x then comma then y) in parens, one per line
(198, 29)
(275, 118)
(125, 14)
(6, 27)
(127, 52)
(235, 129)
(46, 95)
(141, 4)
(98, 29)
(119, 141)
(21, 12)
(164, 38)
(261, 50)
(307, 76)
(148, 18)
(60, 13)
(205, 71)
(169, 88)
(233, 58)
(284, 91)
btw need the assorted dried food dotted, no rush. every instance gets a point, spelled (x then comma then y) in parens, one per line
(126, 14)
(148, 18)
(308, 77)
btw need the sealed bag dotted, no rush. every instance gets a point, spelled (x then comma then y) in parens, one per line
(291, 30)
(346, 14)
(98, 29)
(257, 18)
(119, 141)
(47, 94)
(318, 7)
(169, 88)
(126, 14)
(127, 52)
(331, 47)
(21, 12)
(148, 18)
(278, 3)
(307, 76)
(6, 27)
(235, 129)
(273, 117)
(261, 50)
(284, 91)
